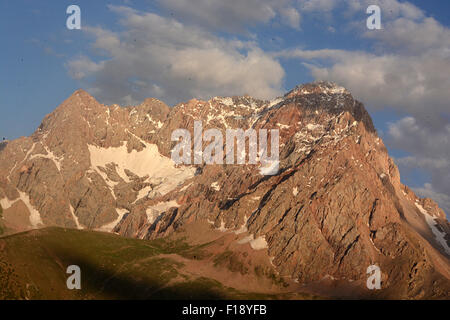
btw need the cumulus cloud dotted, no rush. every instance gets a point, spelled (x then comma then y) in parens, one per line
(410, 37)
(161, 57)
(391, 9)
(291, 17)
(233, 15)
(414, 84)
(80, 67)
(407, 70)
(430, 149)
(318, 5)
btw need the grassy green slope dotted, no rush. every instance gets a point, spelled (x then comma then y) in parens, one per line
(33, 266)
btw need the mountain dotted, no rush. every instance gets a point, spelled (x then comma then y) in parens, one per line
(335, 207)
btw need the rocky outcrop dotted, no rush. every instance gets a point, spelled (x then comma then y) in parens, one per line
(336, 206)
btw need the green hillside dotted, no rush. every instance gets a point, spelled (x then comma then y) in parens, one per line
(33, 266)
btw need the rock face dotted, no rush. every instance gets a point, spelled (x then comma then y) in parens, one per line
(336, 206)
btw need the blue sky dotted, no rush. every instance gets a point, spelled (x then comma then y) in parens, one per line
(199, 48)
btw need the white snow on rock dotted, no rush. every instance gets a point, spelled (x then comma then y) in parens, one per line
(143, 193)
(35, 216)
(110, 226)
(328, 89)
(256, 244)
(50, 155)
(275, 102)
(154, 211)
(222, 227)
(283, 126)
(215, 186)
(24, 159)
(311, 126)
(226, 101)
(146, 162)
(6, 203)
(158, 124)
(247, 239)
(335, 90)
(75, 218)
(185, 187)
(440, 236)
(259, 243)
(271, 169)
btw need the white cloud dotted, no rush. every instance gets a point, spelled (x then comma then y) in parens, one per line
(238, 15)
(163, 58)
(291, 17)
(232, 15)
(408, 70)
(413, 84)
(391, 9)
(412, 37)
(318, 5)
(430, 149)
(80, 67)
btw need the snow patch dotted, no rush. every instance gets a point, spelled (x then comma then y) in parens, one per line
(50, 155)
(146, 162)
(440, 236)
(222, 226)
(247, 239)
(271, 169)
(215, 186)
(35, 216)
(275, 102)
(154, 211)
(110, 226)
(312, 127)
(75, 218)
(226, 101)
(256, 244)
(6, 203)
(283, 126)
(259, 243)
(143, 193)
(185, 187)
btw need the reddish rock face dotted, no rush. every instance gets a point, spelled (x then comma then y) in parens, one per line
(336, 206)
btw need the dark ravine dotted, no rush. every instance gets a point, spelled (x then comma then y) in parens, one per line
(336, 206)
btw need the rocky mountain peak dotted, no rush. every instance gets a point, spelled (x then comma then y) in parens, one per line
(318, 87)
(80, 98)
(335, 206)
